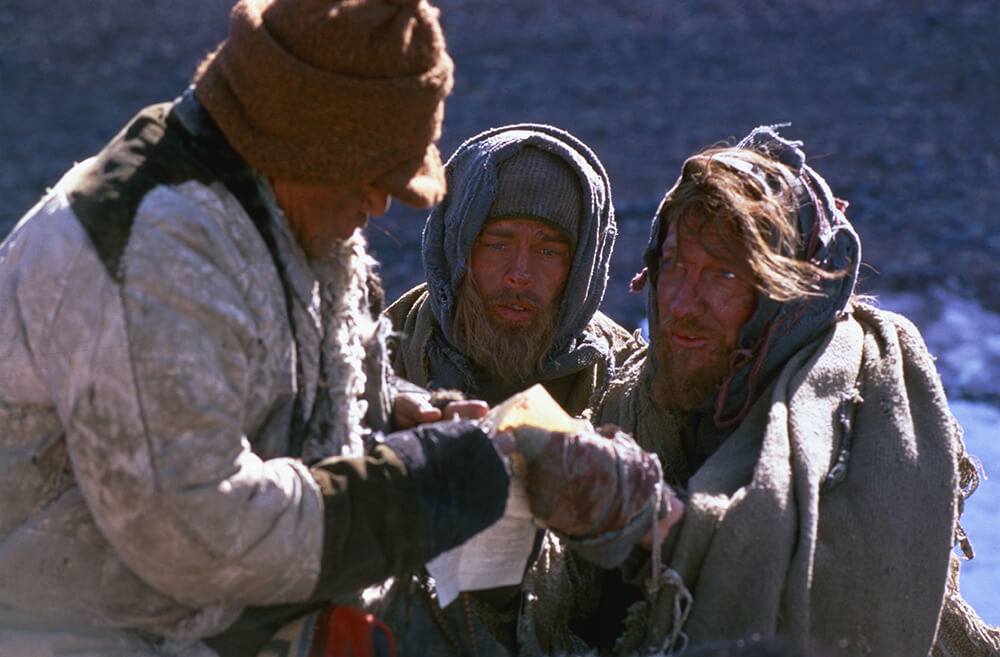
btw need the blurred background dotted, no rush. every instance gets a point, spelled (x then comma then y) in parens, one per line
(897, 101)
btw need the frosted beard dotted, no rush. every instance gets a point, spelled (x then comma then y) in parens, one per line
(510, 353)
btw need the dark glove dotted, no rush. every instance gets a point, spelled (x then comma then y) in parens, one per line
(420, 492)
(586, 484)
(461, 479)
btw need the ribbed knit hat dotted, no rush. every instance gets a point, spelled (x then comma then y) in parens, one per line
(536, 184)
(334, 91)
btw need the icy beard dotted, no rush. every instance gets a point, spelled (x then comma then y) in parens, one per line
(350, 333)
(681, 383)
(511, 354)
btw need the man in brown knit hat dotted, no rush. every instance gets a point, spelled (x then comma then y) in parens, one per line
(194, 390)
(339, 105)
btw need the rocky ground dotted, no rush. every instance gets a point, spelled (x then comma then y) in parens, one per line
(898, 102)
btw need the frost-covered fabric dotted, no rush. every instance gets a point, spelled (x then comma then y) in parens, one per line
(154, 367)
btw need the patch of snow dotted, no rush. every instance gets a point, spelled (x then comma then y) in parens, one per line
(980, 577)
(961, 334)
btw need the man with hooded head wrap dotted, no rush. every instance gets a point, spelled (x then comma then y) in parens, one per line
(516, 258)
(825, 474)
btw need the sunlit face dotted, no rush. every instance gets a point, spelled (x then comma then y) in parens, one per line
(319, 215)
(520, 267)
(705, 294)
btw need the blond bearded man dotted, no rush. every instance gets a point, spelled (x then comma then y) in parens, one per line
(824, 471)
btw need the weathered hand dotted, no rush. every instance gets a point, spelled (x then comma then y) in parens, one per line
(466, 409)
(586, 484)
(675, 511)
(410, 409)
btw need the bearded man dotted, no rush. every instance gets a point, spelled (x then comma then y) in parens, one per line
(825, 474)
(194, 381)
(516, 259)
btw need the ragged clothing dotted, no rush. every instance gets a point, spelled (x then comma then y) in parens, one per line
(563, 606)
(170, 358)
(830, 512)
(604, 347)
(812, 479)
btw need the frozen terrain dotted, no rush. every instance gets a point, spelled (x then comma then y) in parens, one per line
(965, 338)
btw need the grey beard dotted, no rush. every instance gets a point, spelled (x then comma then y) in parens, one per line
(349, 334)
(511, 355)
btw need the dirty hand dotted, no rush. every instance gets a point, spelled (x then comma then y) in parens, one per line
(410, 409)
(586, 484)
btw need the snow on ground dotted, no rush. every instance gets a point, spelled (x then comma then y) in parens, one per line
(965, 339)
(980, 578)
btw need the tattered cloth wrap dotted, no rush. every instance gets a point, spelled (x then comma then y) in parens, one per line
(859, 567)
(777, 540)
(586, 345)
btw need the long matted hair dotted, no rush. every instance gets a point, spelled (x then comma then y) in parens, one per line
(753, 199)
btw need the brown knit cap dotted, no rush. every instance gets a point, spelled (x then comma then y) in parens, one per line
(334, 91)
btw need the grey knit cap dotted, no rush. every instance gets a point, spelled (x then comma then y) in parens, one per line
(535, 184)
